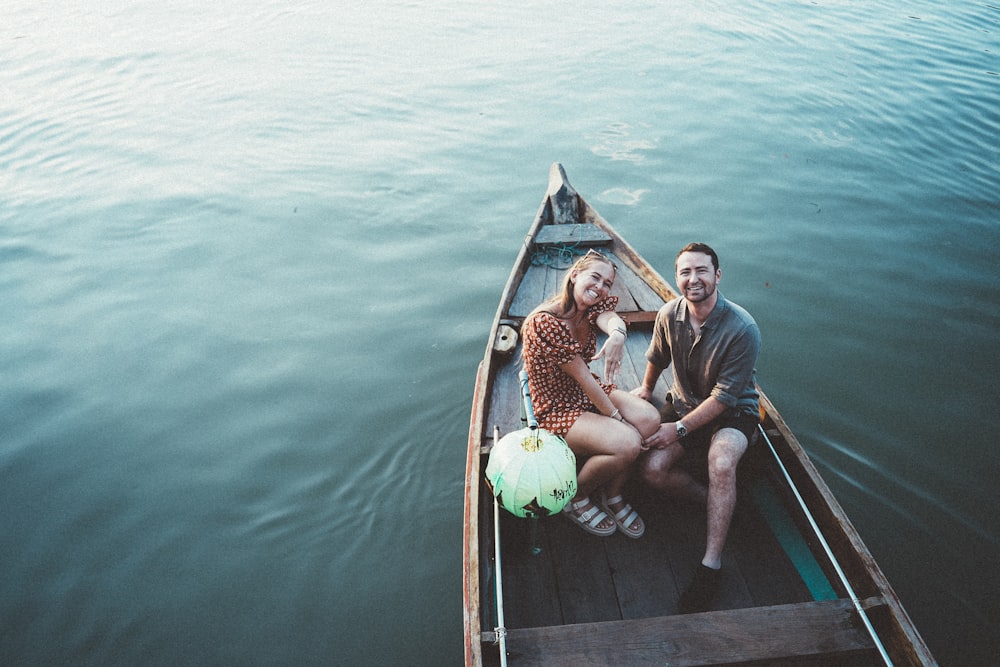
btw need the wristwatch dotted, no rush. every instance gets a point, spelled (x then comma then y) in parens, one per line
(681, 429)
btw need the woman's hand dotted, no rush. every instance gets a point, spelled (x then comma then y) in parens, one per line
(613, 351)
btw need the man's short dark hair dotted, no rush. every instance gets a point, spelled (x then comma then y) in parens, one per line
(702, 248)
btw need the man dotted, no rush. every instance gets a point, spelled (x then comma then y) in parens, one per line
(711, 345)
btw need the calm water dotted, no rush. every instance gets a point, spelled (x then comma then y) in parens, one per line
(250, 255)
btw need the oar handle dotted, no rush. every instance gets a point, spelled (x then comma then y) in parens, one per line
(527, 410)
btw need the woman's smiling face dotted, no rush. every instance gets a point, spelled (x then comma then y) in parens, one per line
(593, 283)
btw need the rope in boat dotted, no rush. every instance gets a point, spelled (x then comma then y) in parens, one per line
(560, 256)
(829, 552)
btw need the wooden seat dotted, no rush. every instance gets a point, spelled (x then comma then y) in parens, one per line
(573, 234)
(763, 635)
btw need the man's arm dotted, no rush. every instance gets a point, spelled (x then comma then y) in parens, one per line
(666, 435)
(645, 390)
(709, 409)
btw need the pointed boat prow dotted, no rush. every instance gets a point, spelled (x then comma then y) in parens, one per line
(563, 202)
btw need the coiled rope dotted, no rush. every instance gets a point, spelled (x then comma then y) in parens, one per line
(560, 256)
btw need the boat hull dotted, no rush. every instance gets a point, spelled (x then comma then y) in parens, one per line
(800, 586)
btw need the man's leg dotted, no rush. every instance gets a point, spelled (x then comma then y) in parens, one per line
(724, 454)
(659, 470)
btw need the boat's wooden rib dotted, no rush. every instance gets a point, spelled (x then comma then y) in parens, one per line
(594, 601)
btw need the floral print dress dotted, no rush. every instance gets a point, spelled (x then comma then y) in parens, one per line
(548, 343)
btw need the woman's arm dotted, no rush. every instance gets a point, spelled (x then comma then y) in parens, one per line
(579, 371)
(610, 322)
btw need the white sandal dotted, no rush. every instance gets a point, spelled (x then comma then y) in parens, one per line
(590, 520)
(627, 519)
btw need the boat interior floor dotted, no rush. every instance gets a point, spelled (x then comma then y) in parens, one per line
(574, 598)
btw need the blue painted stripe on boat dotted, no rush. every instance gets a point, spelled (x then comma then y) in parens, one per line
(792, 541)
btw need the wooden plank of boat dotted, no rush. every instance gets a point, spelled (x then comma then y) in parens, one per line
(800, 586)
(824, 629)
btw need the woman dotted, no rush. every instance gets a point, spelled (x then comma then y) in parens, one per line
(604, 426)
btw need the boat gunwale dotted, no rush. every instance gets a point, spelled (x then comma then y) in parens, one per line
(486, 373)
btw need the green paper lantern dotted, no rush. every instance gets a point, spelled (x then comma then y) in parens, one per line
(532, 473)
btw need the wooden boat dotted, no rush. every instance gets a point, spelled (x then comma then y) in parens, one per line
(800, 586)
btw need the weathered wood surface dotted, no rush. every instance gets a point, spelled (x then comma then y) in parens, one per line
(764, 635)
(573, 235)
(617, 578)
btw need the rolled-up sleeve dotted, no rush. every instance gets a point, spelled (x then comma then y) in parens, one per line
(658, 352)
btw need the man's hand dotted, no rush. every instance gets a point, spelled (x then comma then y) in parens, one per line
(665, 436)
(642, 392)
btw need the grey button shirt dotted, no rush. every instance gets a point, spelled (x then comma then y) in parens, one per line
(720, 361)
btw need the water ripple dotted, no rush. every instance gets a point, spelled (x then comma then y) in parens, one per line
(250, 254)
(884, 486)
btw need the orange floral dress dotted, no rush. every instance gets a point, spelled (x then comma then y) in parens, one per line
(557, 398)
